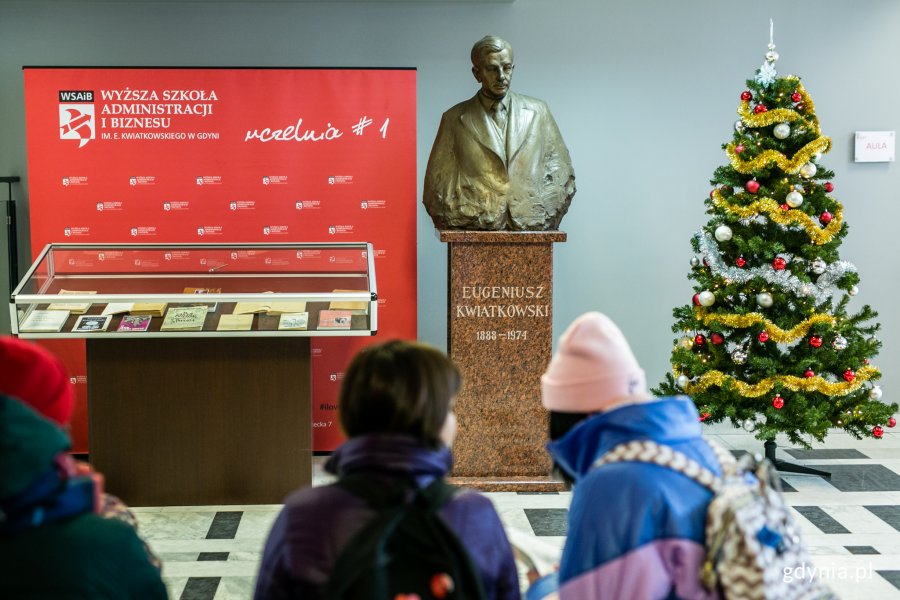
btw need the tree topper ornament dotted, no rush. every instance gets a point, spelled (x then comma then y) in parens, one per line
(766, 74)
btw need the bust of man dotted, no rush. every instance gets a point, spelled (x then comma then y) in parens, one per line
(498, 161)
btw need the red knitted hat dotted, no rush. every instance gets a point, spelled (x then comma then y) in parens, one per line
(33, 375)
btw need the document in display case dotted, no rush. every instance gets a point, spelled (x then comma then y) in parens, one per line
(199, 357)
(266, 280)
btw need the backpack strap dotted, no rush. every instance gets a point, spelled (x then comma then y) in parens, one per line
(648, 451)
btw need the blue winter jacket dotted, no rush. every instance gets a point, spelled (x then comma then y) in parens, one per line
(316, 523)
(636, 530)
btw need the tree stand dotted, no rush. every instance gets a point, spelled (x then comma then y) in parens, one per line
(786, 467)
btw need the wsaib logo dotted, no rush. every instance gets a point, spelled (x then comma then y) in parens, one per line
(76, 116)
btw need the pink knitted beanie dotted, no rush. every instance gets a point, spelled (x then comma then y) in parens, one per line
(593, 369)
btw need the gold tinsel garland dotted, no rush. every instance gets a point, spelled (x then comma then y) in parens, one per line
(791, 382)
(776, 333)
(781, 115)
(788, 165)
(773, 211)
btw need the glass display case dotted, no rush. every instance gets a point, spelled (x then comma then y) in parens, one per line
(197, 290)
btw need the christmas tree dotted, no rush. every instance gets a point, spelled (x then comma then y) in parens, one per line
(767, 341)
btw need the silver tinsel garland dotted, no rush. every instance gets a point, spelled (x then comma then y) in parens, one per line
(821, 290)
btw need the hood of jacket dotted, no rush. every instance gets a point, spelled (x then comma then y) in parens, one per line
(672, 420)
(391, 455)
(29, 444)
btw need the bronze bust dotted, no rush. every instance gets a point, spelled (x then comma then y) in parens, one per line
(498, 161)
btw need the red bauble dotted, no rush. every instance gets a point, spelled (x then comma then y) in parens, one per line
(878, 431)
(809, 373)
(778, 401)
(815, 341)
(704, 416)
(763, 337)
(779, 263)
(796, 97)
(696, 299)
(825, 217)
(739, 148)
(717, 339)
(829, 187)
(785, 207)
(741, 261)
(699, 339)
(800, 106)
(892, 422)
(752, 186)
(746, 96)
(849, 375)
(760, 108)
(711, 192)
(705, 262)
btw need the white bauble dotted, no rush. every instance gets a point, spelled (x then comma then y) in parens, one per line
(808, 170)
(723, 233)
(739, 126)
(853, 290)
(695, 262)
(818, 266)
(706, 298)
(782, 131)
(682, 381)
(794, 199)
(764, 299)
(875, 393)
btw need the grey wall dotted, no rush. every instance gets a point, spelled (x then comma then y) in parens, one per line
(644, 92)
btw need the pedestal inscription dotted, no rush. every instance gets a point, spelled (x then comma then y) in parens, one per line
(500, 335)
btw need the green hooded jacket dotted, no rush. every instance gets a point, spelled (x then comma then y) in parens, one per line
(78, 555)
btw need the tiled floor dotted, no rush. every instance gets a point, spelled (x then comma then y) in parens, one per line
(851, 523)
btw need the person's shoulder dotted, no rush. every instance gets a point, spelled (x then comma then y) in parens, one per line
(312, 500)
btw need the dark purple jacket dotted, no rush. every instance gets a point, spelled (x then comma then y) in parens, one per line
(317, 522)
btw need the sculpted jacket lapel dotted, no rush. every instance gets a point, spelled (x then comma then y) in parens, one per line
(520, 119)
(475, 120)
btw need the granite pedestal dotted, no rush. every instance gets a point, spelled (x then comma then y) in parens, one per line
(500, 334)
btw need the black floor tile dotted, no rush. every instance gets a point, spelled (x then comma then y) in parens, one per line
(200, 588)
(893, 577)
(861, 550)
(547, 521)
(213, 556)
(888, 513)
(224, 525)
(824, 454)
(786, 487)
(821, 519)
(862, 478)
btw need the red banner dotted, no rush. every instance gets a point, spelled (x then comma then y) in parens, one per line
(232, 155)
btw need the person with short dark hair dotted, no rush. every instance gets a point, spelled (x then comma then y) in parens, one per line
(396, 407)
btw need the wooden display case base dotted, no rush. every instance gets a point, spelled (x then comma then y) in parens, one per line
(192, 421)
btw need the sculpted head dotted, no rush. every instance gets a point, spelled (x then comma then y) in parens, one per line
(492, 66)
